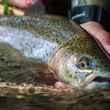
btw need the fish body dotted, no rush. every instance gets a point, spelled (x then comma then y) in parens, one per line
(45, 32)
(64, 46)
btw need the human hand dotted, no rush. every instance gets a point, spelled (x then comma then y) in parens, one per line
(101, 36)
(22, 3)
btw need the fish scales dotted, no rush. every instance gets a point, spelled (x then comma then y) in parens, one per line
(60, 43)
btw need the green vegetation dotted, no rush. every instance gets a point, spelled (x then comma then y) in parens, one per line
(5, 3)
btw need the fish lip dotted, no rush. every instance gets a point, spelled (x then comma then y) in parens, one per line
(94, 78)
(87, 80)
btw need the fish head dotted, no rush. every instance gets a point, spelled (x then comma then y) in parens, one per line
(84, 72)
(82, 64)
(81, 69)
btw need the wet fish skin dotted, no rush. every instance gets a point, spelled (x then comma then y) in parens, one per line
(15, 68)
(75, 57)
(17, 37)
(48, 28)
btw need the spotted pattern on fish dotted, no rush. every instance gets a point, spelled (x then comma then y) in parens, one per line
(63, 45)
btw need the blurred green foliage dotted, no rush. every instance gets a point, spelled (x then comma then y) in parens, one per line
(5, 3)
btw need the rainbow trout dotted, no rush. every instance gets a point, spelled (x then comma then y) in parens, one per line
(64, 46)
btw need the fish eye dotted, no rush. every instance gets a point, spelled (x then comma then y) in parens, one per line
(83, 62)
(86, 62)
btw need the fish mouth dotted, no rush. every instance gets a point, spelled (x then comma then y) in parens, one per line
(94, 78)
(102, 79)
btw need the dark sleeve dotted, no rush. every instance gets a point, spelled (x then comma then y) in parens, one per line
(89, 10)
(102, 3)
(57, 7)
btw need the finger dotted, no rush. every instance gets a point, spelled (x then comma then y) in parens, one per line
(101, 36)
(97, 31)
(22, 3)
